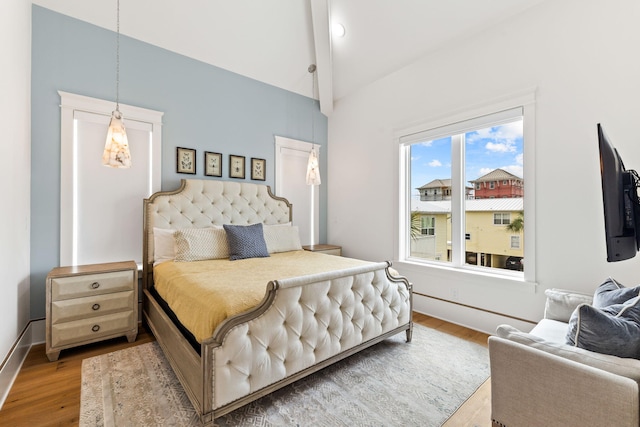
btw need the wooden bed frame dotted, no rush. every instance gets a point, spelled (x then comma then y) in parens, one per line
(227, 373)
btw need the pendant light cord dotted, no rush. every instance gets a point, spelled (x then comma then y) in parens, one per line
(312, 69)
(118, 55)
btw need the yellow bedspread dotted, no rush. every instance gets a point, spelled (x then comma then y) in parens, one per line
(204, 293)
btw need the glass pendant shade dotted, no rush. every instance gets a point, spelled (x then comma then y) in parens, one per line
(313, 169)
(116, 150)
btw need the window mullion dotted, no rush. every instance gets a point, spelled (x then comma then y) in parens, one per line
(457, 200)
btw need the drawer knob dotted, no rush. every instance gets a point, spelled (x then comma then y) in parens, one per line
(95, 328)
(95, 306)
(95, 285)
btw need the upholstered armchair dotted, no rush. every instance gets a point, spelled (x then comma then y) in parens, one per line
(539, 380)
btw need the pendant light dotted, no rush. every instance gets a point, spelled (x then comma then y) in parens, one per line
(313, 166)
(116, 149)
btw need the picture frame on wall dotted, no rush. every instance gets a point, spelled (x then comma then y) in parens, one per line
(212, 164)
(186, 160)
(236, 166)
(258, 169)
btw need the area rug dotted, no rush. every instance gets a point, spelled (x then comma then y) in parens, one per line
(393, 383)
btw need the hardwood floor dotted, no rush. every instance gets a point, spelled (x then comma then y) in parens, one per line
(48, 393)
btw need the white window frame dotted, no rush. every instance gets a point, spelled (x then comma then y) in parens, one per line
(515, 241)
(501, 216)
(446, 125)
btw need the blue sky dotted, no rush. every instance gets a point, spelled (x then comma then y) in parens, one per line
(486, 149)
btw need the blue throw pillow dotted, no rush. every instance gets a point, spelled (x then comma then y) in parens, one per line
(612, 292)
(611, 330)
(246, 241)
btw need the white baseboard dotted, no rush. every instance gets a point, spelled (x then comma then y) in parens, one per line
(469, 317)
(34, 333)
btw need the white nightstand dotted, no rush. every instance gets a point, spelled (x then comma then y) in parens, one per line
(90, 303)
(325, 249)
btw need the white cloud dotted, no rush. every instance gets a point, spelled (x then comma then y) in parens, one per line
(500, 147)
(484, 171)
(514, 169)
(435, 163)
(503, 138)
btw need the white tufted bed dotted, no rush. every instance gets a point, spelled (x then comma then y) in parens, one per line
(360, 306)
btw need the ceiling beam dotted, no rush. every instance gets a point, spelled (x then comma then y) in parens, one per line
(320, 15)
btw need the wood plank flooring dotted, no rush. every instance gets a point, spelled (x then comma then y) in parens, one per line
(48, 393)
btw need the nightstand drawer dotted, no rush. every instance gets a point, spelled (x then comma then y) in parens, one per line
(92, 329)
(90, 284)
(93, 306)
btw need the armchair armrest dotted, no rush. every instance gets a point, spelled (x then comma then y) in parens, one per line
(561, 303)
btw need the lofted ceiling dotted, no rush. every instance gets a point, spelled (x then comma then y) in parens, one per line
(274, 41)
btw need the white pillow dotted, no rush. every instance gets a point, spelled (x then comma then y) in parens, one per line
(163, 245)
(281, 238)
(198, 244)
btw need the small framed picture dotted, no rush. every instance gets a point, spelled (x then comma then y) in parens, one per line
(236, 166)
(258, 169)
(186, 160)
(212, 164)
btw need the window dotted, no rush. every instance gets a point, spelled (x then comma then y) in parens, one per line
(462, 152)
(501, 219)
(428, 226)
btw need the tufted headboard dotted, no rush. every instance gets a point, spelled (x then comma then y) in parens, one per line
(202, 203)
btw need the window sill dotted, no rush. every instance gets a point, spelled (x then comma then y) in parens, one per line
(477, 275)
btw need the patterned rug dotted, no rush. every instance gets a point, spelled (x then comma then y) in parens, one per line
(393, 383)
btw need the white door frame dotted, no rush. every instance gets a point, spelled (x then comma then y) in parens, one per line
(289, 146)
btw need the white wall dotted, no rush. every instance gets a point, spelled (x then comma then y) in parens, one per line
(15, 87)
(583, 59)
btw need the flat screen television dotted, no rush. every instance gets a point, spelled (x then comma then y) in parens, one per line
(620, 200)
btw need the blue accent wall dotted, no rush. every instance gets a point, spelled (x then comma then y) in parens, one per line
(205, 107)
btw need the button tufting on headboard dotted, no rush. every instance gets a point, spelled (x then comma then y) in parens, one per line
(202, 203)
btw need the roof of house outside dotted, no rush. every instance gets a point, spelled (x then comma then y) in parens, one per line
(436, 183)
(496, 175)
(475, 205)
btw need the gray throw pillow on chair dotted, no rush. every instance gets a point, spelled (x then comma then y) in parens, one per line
(612, 292)
(611, 330)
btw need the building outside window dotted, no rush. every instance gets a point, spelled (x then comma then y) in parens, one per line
(461, 154)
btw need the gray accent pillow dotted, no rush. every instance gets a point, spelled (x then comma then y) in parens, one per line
(612, 292)
(611, 330)
(246, 241)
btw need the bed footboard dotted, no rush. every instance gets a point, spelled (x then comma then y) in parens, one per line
(303, 325)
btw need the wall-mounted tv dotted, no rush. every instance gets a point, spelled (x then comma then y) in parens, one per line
(620, 200)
